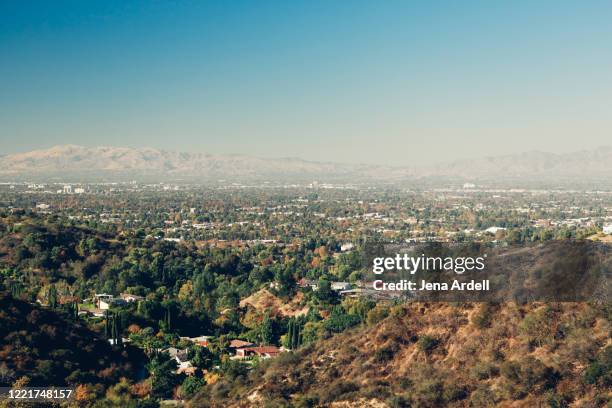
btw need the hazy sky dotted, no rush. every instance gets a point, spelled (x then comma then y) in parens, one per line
(395, 82)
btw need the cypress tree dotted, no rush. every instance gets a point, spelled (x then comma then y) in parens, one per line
(289, 341)
(266, 329)
(53, 297)
(169, 321)
(116, 329)
(106, 326)
(295, 336)
(111, 325)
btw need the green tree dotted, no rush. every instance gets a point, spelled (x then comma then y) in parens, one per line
(266, 331)
(191, 385)
(52, 297)
(162, 369)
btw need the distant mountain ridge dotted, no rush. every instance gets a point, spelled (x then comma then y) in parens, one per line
(123, 162)
(584, 163)
(134, 162)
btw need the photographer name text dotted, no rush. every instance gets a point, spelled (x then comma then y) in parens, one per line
(407, 285)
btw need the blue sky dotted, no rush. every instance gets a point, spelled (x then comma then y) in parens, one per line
(357, 81)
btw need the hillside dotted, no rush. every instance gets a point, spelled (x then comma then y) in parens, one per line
(432, 355)
(79, 251)
(262, 301)
(123, 162)
(78, 163)
(50, 349)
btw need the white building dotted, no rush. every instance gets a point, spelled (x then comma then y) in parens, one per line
(67, 189)
(607, 229)
(199, 340)
(105, 301)
(180, 356)
(105, 304)
(102, 297)
(128, 297)
(347, 247)
(337, 286)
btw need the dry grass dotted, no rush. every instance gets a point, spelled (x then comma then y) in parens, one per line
(520, 355)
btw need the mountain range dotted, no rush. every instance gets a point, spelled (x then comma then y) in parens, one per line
(119, 163)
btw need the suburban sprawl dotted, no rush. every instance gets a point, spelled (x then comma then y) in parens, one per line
(195, 290)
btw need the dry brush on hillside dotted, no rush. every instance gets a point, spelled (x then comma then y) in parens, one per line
(441, 354)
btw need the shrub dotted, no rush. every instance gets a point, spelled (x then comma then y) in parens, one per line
(483, 317)
(427, 343)
(405, 383)
(288, 359)
(430, 393)
(578, 346)
(594, 371)
(530, 374)
(375, 391)
(338, 389)
(600, 370)
(337, 323)
(221, 389)
(483, 371)
(537, 375)
(539, 327)
(511, 370)
(482, 397)
(306, 401)
(386, 353)
(399, 401)
(454, 392)
(191, 385)
(557, 401)
(376, 315)
(233, 369)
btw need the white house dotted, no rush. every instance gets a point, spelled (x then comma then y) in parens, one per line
(105, 301)
(347, 247)
(128, 297)
(337, 286)
(180, 356)
(607, 229)
(202, 341)
(107, 304)
(304, 283)
(493, 230)
(102, 297)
